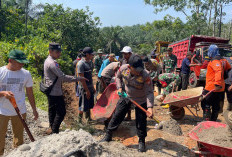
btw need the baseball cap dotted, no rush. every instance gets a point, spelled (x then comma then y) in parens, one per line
(19, 56)
(88, 50)
(99, 51)
(136, 62)
(55, 46)
(126, 49)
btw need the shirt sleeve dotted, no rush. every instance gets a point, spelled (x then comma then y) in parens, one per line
(149, 92)
(187, 62)
(57, 71)
(118, 78)
(29, 81)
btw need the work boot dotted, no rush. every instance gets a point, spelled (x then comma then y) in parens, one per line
(214, 116)
(142, 147)
(206, 115)
(107, 137)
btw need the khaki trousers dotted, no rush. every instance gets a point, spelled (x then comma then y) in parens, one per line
(17, 128)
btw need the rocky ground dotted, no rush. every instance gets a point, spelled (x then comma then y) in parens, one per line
(158, 142)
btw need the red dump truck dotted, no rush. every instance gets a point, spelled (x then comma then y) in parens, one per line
(201, 44)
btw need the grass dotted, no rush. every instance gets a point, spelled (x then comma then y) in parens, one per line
(40, 98)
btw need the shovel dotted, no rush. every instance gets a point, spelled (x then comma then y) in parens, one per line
(124, 95)
(13, 102)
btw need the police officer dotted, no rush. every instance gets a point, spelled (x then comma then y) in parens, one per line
(169, 62)
(52, 71)
(138, 87)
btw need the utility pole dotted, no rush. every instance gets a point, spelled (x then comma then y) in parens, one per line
(198, 25)
(220, 23)
(0, 19)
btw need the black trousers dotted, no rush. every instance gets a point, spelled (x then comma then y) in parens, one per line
(185, 81)
(123, 106)
(56, 112)
(212, 101)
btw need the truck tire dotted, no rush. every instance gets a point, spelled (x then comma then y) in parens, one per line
(193, 82)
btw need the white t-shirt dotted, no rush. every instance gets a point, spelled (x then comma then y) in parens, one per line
(16, 82)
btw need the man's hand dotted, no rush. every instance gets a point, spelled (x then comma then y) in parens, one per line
(7, 94)
(217, 87)
(151, 112)
(36, 115)
(88, 94)
(230, 88)
(82, 78)
(119, 90)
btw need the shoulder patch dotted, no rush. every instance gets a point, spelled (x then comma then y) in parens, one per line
(217, 65)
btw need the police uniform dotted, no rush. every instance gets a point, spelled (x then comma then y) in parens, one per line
(169, 63)
(138, 88)
(56, 109)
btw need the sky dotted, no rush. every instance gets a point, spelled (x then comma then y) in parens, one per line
(124, 12)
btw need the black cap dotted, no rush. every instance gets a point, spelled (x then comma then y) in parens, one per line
(88, 50)
(136, 62)
(55, 46)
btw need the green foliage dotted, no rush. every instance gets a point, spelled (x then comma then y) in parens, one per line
(40, 98)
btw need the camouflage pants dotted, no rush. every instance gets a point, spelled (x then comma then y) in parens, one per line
(172, 80)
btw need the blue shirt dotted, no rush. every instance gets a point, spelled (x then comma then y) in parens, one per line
(185, 68)
(104, 64)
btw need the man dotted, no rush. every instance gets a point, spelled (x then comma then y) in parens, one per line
(126, 52)
(169, 62)
(185, 70)
(214, 81)
(13, 81)
(98, 60)
(138, 87)
(109, 72)
(168, 82)
(86, 88)
(228, 86)
(77, 59)
(52, 72)
(104, 64)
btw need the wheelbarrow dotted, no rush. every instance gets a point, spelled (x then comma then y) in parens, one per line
(178, 100)
(204, 148)
(106, 104)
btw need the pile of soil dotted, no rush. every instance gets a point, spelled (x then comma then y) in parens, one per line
(171, 126)
(73, 143)
(216, 136)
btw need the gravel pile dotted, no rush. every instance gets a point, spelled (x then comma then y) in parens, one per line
(171, 126)
(33, 125)
(76, 144)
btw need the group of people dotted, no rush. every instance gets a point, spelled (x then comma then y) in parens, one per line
(134, 74)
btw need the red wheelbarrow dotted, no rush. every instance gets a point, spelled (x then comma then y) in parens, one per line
(106, 104)
(178, 100)
(207, 149)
